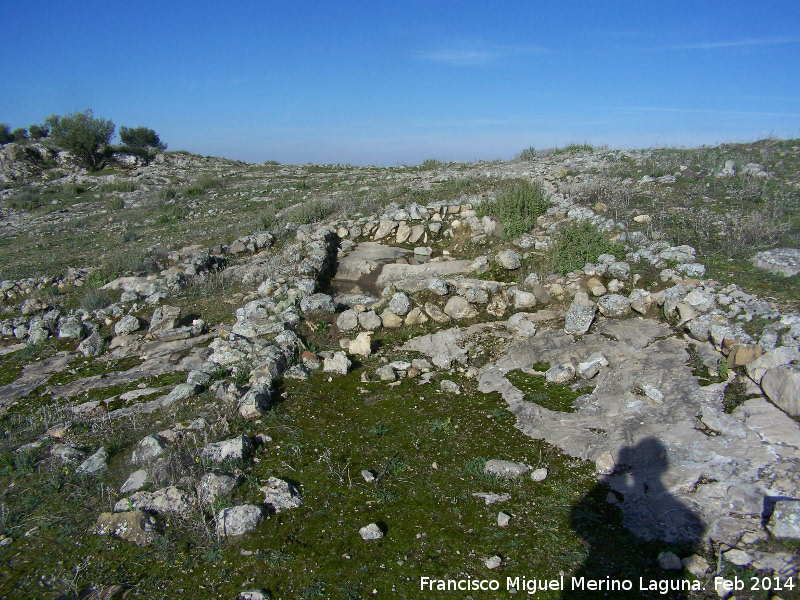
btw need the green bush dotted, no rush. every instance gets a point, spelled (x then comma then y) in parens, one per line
(95, 300)
(579, 243)
(5, 134)
(37, 132)
(85, 136)
(517, 207)
(141, 138)
(20, 134)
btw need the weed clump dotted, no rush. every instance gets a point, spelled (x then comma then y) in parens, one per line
(517, 207)
(579, 243)
(95, 300)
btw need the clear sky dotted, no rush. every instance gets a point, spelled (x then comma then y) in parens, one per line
(397, 82)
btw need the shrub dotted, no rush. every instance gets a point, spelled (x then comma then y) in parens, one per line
(20, 134)
(37, 132)
(528, 154)
(83, 135)
(141, 138)
(579, 243)
(517, 207)
(95, 300)
(5, 134)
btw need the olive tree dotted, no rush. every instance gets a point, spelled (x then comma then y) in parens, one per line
(84, 135)
(141, 138)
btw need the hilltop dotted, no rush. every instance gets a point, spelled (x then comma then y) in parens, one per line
(223, 378)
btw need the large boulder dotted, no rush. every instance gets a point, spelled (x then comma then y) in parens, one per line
(782, 387)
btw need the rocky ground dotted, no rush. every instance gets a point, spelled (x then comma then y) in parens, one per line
(223, 379)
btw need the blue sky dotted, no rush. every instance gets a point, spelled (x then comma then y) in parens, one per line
(397, 82)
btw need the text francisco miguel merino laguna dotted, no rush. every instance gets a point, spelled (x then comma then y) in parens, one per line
(532, 586)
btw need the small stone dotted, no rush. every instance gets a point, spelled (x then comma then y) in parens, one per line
(368, 476)
(738, 557)
(493, 562)
(696, 565)
(96, 463)
(669, 562)
(506, 469)
(370, 532)
(127, 325)
(135, 482)
(239, 520)
(391, 320)
(449, 386)
(490, 498)
(539, 474)
(560, 373)
(281, 495)
(338, 363)
(400, 304)
(509, 259)
(785, 520)
(503, 518)
(458, 308)
(362, 345)
(604, 464)
(133, 526)
(149, 448)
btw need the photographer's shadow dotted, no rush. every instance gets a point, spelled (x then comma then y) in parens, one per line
(627, 527)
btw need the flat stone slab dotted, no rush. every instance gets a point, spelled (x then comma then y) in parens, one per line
(366, 258)
(782, 261)
(685, 468)
(395, 273)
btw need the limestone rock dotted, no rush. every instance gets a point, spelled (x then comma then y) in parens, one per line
(362, 345)
(135, 482)
(458, 308)
(92, 345)
(669, 561)
(237, 448)
(521, 325)
(165, 318)
(579, 317)
(169, 500)
(256, 402)
(539, 474)
(769, 360)
(348, 320)
(148, 449)
(370, 532)
(509, 259)
(369, 320)
(239, 520)
(503, 518)
(281, 495)
(435, 313)
(317, 304)
(614, 305)
(505, 468)
(696, 565)
(133, 526)
(390, 320)
(213, 486)
(785, 520)
(338, 363)
(96, 463)
(604, 464)
(782, 387)
(127, 325)
(561, 373)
